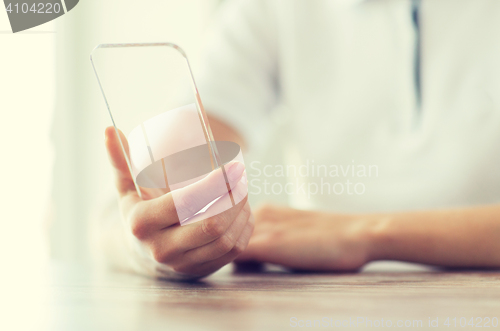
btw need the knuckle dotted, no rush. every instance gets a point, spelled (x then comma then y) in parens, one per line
(225, 244)
(265, 211)
(246, 212)
(277, 235)
(239, 247)
(138, 225)
(161, 255)
(138, 229)
(213, 227)
(167, 204)
(158, 255)
(185, 204)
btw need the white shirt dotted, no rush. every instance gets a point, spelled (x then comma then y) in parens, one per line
(339, 75)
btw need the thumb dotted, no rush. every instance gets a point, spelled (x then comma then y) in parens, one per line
(124, 182)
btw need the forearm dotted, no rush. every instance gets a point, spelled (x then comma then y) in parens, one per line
(452, 238)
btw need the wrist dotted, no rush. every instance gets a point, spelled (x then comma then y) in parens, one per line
(378, 238)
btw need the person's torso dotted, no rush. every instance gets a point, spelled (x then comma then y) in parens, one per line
(348, 83)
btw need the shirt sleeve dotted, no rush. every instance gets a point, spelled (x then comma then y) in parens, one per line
(113, 246)
(237, 80)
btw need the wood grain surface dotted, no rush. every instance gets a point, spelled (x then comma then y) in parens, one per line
(76, 298)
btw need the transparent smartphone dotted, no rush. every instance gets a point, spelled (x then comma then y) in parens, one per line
(151, 96)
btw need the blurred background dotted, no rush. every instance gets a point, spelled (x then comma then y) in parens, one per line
(56, 175)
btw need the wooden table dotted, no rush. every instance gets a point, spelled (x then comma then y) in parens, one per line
(74, 298)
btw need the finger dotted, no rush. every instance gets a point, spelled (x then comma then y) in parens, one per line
(214, 265)
(175, 241)
(211, 228)
(169, 209)
(224, 244)
(238, 193)
(193, 198)
(246, 235)
(124, 181)
(256, 250)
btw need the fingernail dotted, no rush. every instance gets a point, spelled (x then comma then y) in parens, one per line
(235, 171)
